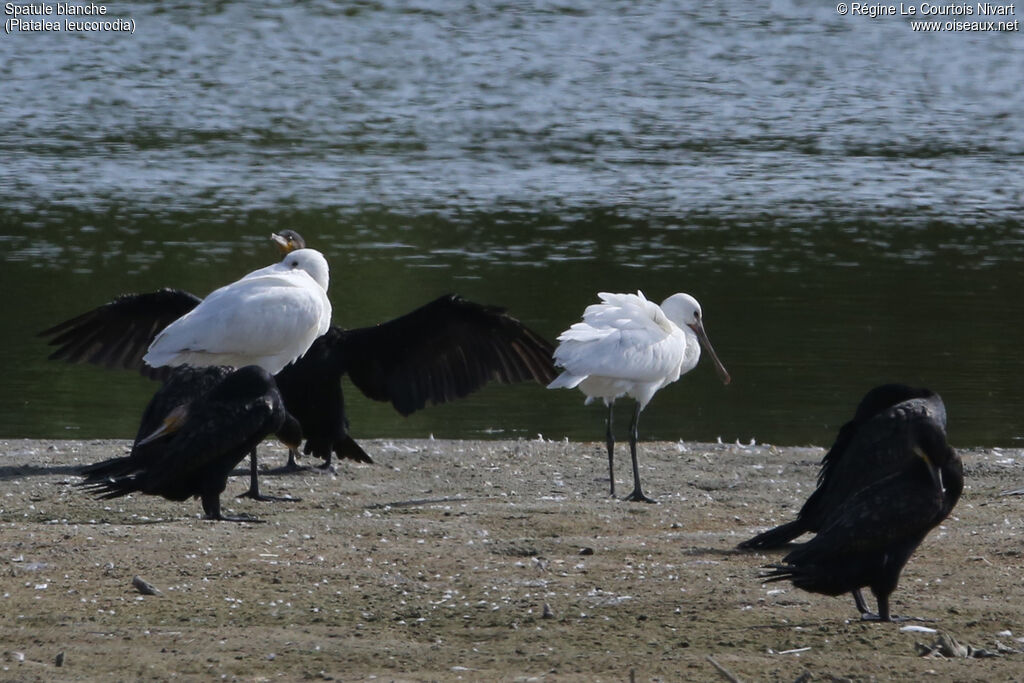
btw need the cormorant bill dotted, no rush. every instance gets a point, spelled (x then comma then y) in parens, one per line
(868, 538)
(189, 448)
(864, 450)
(287, 241)
(629, 346)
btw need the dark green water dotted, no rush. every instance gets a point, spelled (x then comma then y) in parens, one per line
(843, 196)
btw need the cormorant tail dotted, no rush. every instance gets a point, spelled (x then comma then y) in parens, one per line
(350, 450)
(111, 478)
(775, 538)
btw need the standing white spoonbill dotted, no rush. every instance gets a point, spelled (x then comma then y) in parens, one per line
(629, 346)
(268, 318)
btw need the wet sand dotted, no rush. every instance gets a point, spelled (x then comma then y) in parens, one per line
(484, 560)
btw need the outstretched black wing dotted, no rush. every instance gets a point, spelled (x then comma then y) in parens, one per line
(443, 351)
(117, 334)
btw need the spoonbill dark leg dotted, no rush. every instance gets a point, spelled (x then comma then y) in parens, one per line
(254, 484)
(609, 439)
(638, 494)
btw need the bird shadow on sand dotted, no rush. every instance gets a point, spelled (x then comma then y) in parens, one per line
(720, 552)
(8, 472)
(20, 471)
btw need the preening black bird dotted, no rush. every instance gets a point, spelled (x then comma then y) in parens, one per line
(437, 353)
(194, 431)
(867, 448)
(185, 385)
(868, 538)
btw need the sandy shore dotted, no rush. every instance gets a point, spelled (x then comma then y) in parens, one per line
(440, 562)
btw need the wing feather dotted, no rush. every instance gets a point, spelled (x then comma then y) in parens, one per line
(117, 334)
(442, 351)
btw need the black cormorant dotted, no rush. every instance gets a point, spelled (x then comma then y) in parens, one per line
(867, 538)
(864, 450)
(194, 431)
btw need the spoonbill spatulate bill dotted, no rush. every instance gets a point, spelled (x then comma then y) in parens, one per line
(629, 346)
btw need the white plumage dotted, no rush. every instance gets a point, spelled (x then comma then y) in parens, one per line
(268, 318)
(629, 346)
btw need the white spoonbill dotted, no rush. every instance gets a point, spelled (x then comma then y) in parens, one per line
(629, 346)
(268, 318)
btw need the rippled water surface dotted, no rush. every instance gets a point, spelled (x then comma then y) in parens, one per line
(843, 195)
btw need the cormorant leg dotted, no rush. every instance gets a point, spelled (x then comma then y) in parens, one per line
(883, 608)
(292, 465)
(865, 614)
(858, 599)
(211, 508)
(609, 439)
(254, 484)
(884, 614)
(638, 494)
(327, 463)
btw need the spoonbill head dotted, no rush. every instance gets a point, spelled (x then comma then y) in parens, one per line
(685, 312)
(308, 261)
(629, 346)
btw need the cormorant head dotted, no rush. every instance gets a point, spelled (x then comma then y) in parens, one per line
(288, 241)
(928, 442)
(885, 396)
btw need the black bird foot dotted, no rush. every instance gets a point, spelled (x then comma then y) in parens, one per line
(256, 495)
(871, 616)
(241, 518)
(327, 468)
(893, 618)
(291, 467)
(638, 497)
